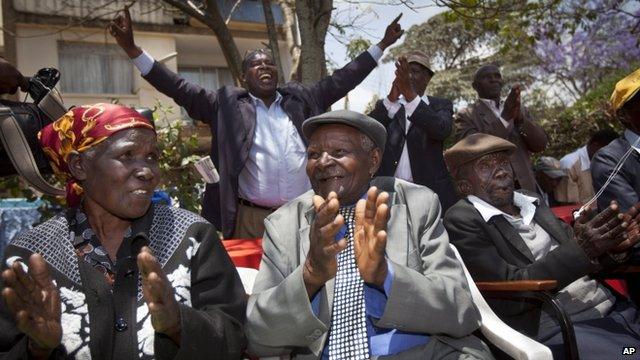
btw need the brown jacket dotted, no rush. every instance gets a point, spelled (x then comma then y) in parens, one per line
(479, 118)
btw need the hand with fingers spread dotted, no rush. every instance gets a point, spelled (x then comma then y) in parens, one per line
(34, 302)
(159, 296)
(602, 233)
(121, 29)
(392, 34)
(370, 236)
(11, 79)
(631, 235)
(403, 79)
(321, 264)
(512, 111)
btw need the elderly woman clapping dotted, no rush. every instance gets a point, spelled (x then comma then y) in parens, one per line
(115, 277)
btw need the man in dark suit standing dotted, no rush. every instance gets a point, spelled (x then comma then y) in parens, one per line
(416, 125)
(625, 184)
(257, 143)
(507, 120)
(505, 235)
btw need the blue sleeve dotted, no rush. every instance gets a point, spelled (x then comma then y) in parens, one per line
(315, 304)
(376, 300)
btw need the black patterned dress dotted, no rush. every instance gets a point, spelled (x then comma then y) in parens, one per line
(104, 315)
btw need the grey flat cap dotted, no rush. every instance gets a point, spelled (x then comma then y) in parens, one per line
(363, 123)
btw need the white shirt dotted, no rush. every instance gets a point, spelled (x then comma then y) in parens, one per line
(570, 159)
(275, 171)
(403, 170)
(537, 239)
(497, 111)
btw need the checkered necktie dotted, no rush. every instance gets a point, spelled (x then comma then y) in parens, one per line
(348, 336)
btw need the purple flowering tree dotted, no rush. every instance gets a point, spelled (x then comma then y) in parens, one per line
(578, 57)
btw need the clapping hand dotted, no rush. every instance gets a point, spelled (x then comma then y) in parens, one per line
(321, 264)
(34, 301)
(392, 34)
(403, 79)
(121, 29)
(370, 236)
(631, 235)
(159, 296)
(604, 232)
(512, 111)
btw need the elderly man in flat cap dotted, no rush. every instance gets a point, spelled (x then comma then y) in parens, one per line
(359, 267)
(504, 234)
(508, 120)
(625, 183)
(417, 126)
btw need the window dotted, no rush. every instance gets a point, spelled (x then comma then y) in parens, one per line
(94, 69)
(210, 78)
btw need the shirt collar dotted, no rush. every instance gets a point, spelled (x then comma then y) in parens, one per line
(492, 104)
(258, 101)
(424, 98)
(632, 138)
(526, 204)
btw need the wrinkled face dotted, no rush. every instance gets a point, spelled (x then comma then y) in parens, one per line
(491, 179)
(338, 162)
(122, 172)
(420, 78)
(261, 76)
(488, 83)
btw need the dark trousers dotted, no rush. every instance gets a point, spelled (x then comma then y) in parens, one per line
(603, 338)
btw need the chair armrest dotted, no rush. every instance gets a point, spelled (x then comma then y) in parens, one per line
(519, 285)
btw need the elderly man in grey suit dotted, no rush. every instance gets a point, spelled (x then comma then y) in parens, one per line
(352, 272)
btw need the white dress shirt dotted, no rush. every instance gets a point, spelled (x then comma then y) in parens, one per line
(497, 110)
(570, 159)
(403, 170)
(275, 171)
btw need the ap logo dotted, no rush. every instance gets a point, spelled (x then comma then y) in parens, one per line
(629, 350)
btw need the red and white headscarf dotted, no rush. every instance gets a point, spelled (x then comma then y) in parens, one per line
(80, 129)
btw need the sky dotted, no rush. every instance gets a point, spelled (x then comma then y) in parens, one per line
(371, 26)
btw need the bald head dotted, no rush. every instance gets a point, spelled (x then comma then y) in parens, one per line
(487, 81)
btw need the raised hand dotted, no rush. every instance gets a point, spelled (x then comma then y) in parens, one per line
(121, 29)
(392, 34)
(602, 233)
(631, 235)
(370, 236)
(321, 264)
(403, 79)
(394, 93)
(11, 79)
(34, 301)
(159, 296)
(511, 111)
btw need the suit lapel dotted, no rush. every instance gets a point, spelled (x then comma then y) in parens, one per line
(487, 116)
(551, 225)
(247, 110)
(512, 236)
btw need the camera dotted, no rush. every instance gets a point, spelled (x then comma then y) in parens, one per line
(42, 83)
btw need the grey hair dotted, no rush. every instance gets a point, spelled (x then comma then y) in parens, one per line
(367, 143)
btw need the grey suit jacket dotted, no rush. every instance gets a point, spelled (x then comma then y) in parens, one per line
(429, 293)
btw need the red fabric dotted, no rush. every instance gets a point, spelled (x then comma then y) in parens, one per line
(78, 130)
(565, 213)
(244, 252)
